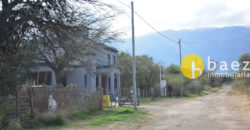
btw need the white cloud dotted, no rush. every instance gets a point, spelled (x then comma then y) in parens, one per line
(183, 14)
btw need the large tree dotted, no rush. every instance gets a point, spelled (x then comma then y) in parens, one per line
(56, 32)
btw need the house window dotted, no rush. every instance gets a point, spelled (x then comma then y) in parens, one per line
(85, 80)
(114, 60)
(108, 59)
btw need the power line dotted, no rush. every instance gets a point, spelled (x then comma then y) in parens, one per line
(155, 28)
(151, 26)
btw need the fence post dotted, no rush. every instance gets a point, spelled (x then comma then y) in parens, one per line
(17, 102)
(119, 96)
(138, 96)
(143, 93)
(31, 105)
(152, 94)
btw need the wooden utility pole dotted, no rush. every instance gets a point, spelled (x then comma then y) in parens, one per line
(133, 62)
(181, 86)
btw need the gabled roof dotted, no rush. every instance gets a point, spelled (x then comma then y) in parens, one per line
(110, 48)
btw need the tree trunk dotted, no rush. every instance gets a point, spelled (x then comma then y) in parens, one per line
(59, 76)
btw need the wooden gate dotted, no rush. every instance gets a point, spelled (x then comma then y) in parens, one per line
(24, 106)
(19, 106)
(126, 96)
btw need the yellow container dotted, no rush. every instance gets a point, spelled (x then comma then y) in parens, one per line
(106, 101)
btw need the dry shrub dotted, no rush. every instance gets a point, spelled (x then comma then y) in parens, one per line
(175, 84)
(193, 87)
(242, 86)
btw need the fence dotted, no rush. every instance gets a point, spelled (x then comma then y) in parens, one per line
(68, 99)
(143, 95)
(30, 101)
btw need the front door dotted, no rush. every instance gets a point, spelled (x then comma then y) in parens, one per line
(104, 84)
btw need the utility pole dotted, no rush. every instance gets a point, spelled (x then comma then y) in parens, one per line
(181, 87)
(133, 58)
(160, 73)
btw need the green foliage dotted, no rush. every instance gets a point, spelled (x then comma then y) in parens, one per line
(244, 57)
(147, 72)
(241, 85)
(4, 110)
(173, 69)
(147, 75)
(12, 73)
(124, 61)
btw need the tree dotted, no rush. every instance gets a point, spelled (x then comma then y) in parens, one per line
(173, 69)
(124, 61)
(147, 72)
(243, 58)
(58, 32)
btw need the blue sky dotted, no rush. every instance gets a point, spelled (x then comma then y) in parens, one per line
(182, 14)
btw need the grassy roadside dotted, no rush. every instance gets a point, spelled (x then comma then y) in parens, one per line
(205, 92)
(235, 91)
(99, 118)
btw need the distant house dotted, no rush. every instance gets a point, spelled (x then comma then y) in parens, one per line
(106, 73)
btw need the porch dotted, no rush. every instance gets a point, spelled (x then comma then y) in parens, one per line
(108, 77)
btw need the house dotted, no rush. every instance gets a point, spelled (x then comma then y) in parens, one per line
(105, 73)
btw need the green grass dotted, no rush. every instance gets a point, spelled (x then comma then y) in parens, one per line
(116, 114)
(204, 92)
(98, 118)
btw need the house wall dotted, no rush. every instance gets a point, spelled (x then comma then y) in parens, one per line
(77, 77)
(102, 57)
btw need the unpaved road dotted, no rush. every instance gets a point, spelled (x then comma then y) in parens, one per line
(216, 111)
(211, 112)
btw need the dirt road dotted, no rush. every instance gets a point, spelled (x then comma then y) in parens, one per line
(211, 112)
(216, 111)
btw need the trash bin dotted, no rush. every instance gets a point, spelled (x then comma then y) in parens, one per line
(106, 101)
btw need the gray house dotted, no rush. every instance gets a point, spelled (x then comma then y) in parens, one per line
(106, 73)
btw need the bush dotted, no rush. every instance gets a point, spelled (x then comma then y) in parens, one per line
(50, 120)
(14, 125)
(241, 85)
(193, 87)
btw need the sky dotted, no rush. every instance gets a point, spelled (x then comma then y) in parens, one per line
(181, 14)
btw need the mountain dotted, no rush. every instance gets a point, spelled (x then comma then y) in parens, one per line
(225, 43)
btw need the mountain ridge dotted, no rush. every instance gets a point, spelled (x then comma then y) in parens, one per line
(224, 43)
